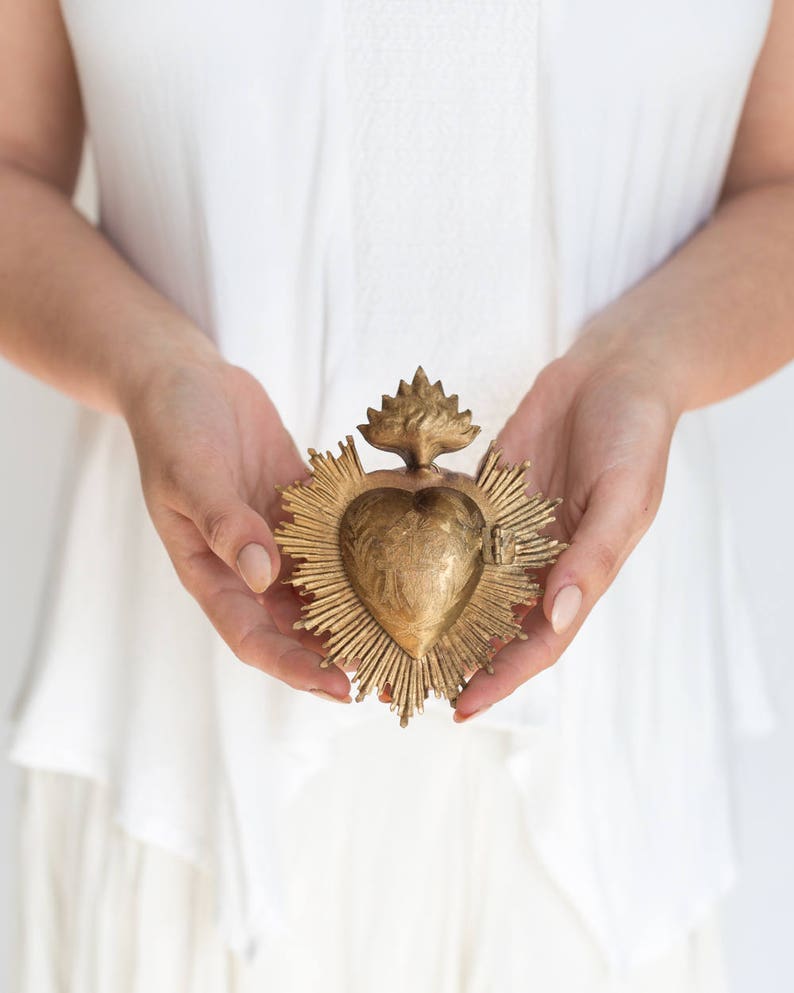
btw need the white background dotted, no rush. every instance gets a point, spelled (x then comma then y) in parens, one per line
(756, 447)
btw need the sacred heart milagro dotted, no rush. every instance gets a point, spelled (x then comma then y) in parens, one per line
(415, 572)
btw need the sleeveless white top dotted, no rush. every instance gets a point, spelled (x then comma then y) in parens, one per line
(337, 192)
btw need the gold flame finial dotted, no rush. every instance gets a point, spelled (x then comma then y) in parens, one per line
(419, 423)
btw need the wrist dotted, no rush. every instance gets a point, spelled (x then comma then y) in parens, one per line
(638, 354)
(159, 355)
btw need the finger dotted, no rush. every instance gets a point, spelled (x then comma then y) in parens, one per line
(606, 535)
(284, 607)
(234, 531)
(512, 666)
(613, 522)
(250, 631)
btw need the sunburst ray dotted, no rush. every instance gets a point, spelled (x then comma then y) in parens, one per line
(507, 546)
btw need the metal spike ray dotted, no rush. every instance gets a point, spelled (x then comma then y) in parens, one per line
(368, 549)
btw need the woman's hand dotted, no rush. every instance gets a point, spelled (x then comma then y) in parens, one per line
(211, 448)
(597, 426)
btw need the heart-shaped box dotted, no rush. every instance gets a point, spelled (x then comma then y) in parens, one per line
(415, 573)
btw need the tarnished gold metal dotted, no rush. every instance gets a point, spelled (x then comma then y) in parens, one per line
(415, 573)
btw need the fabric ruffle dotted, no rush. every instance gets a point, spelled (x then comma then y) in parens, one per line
(428, 880)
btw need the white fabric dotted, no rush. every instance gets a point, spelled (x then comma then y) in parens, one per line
(441, 896)
(243, 168)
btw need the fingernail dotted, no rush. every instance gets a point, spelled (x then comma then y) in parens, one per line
(254, 565)
(566, 607)
(329, 696)
(459, 718)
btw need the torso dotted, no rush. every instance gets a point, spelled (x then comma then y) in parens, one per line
(240, 172)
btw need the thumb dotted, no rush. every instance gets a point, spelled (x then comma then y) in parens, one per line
(236, 533)
(608, 531)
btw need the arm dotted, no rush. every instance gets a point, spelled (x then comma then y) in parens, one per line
(74, 313)
(717, 317)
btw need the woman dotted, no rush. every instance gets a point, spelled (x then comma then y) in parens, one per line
(582, 219)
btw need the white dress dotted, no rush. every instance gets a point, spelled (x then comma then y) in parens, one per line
(338, 191)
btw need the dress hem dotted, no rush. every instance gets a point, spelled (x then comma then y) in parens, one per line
(264, 923)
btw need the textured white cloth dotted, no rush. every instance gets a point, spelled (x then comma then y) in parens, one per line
(440, 895)
(337, 193)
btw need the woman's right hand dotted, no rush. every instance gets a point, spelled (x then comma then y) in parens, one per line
(211, 448)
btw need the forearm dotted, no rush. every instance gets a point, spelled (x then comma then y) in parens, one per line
(719, 315)
(73, 312)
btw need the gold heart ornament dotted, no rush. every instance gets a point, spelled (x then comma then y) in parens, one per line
(414, 573)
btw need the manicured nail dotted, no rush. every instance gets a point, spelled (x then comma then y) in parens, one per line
(329, 696)
(566, 607)
(254, 565)
(459, 718)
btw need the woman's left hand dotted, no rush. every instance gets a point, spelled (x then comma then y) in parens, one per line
(597, 425)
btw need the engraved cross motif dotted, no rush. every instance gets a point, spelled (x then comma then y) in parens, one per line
(415, 573)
